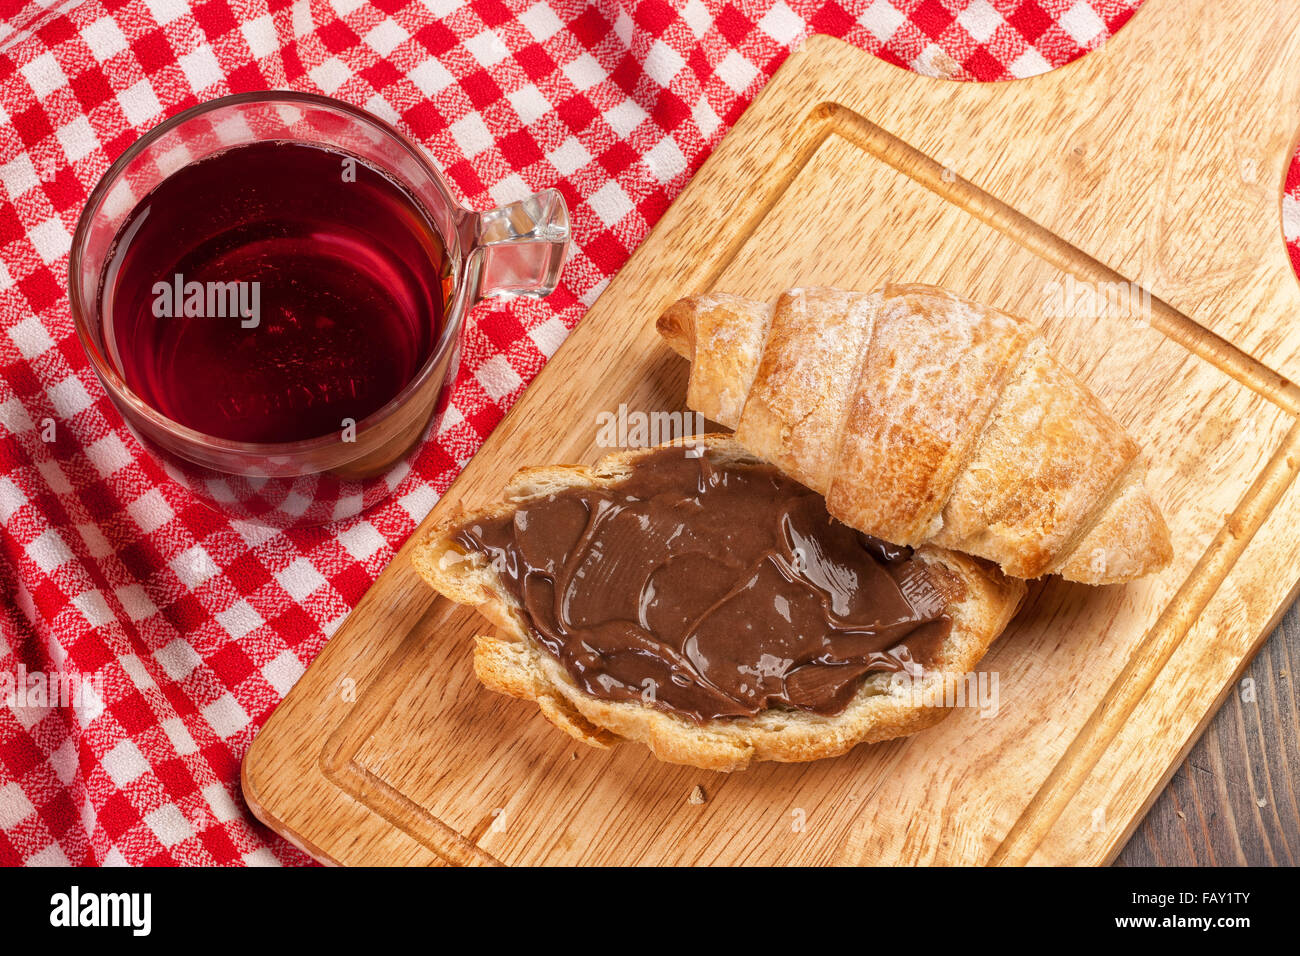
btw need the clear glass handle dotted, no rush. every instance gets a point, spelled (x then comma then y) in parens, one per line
(520, 248)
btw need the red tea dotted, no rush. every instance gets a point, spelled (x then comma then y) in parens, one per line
(274, 292)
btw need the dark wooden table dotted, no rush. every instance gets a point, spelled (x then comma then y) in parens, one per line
(1234, 802)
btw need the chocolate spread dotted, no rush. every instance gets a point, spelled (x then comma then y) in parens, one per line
(711, 589)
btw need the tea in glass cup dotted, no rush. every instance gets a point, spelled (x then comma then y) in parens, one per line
(272, 288)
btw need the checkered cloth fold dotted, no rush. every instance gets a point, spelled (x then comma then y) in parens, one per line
(188, 627)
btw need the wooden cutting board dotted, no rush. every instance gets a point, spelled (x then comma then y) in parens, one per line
(1157, 160)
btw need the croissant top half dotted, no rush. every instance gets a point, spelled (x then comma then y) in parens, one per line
(924, 417)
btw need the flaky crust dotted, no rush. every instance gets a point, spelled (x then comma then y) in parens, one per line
(925, 418)
(981, 603)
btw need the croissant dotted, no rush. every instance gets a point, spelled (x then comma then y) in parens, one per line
(512, 661)
(925, 418)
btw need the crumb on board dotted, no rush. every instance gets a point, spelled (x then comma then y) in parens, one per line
(697, 795)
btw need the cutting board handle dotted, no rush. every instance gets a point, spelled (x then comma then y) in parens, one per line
(1221, 62)
(1160, 158)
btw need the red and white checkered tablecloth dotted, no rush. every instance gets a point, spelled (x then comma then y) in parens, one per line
(189, 626)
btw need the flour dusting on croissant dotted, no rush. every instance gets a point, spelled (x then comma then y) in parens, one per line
(924, 417)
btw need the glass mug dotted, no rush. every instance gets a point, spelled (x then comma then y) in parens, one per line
(517, 249)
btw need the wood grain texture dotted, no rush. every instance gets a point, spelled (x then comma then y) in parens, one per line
(1122, 167)
(1234, 801)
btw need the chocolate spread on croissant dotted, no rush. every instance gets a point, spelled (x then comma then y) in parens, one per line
(711, 589)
